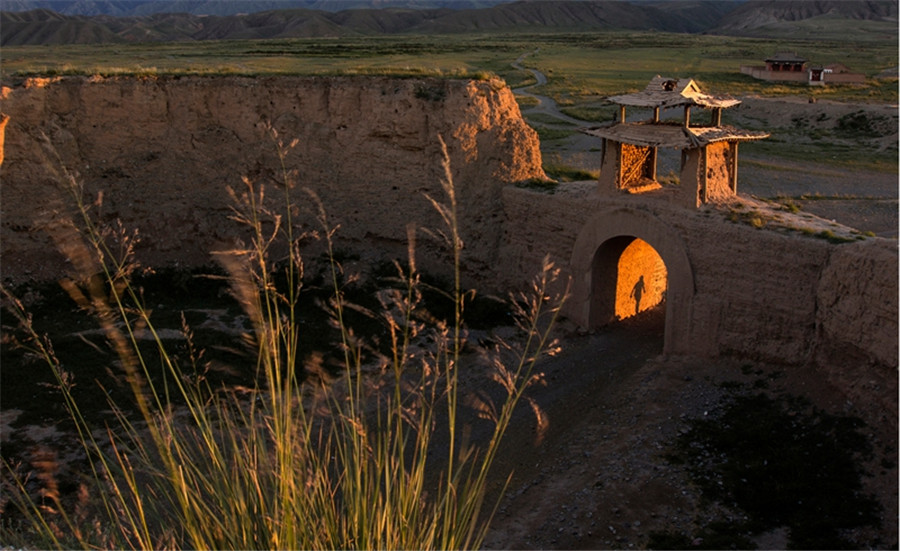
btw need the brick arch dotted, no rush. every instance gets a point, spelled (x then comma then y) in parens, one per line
(605, 234)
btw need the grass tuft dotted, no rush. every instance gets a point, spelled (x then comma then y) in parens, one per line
(831, 237)
(372, 456)
(565, 173)
(539, 184)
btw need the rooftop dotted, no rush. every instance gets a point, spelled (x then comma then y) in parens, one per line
(673, 135)
(786, 57)
(667, 92)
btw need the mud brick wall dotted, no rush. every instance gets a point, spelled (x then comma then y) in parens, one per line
(735, 290)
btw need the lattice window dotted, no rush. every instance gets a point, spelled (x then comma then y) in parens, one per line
(635, 164)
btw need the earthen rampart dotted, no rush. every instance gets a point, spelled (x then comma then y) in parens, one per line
(733, 289)
(163, 152)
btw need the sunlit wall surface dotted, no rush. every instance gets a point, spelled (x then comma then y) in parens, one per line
(641, 281)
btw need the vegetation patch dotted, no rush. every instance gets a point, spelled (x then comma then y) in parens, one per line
(539, 184)
(859, 124)
(548, 134)
(803, 145)
(354, 445)
(832, 237)
(790, 206)
(526, 101)
(670, 179)
(541, 118)
(752, 217)
(565, 173)
(592, 113)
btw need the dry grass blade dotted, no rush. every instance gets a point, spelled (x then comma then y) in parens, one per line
(306, 458)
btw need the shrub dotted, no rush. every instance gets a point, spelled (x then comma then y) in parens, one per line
(831, 237)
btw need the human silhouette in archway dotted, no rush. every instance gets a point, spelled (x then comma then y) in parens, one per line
(636, 292)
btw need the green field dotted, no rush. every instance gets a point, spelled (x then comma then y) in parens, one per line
(581, 67)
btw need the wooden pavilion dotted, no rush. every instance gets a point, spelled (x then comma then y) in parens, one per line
(708, 151)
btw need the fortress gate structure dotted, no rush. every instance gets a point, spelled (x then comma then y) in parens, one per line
(629, 243)
(624, 263)
(708, 151)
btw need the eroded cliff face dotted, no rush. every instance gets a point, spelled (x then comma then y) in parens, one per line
(163, 153)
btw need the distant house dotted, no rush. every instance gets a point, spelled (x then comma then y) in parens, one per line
(785, 63)
(789, 67)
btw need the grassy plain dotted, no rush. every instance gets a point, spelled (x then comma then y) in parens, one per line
(581, 67)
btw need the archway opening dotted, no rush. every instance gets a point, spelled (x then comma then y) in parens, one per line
(628, 278)
(641, 281)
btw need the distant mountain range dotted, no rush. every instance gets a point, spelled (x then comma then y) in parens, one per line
(30, 22)
(137, 8)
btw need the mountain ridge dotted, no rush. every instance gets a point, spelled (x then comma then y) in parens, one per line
(44, 26)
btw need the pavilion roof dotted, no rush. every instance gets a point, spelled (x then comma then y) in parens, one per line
(673, 135)
(667, 92)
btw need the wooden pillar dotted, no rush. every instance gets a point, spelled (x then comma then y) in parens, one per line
(619, 169)
(656, 114)
(687, 116)
(653, 155)
(604, 151)
(607, 182)
(704, 175)
(691, 189)
(734, 166)
(717, 116)
(622, 114)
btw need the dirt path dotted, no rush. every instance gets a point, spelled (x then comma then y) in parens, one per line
(546, 105)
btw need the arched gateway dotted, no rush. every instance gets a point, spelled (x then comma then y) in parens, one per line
(599, 248)
(614, 264)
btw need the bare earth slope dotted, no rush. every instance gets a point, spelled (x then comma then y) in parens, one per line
(756, 14)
